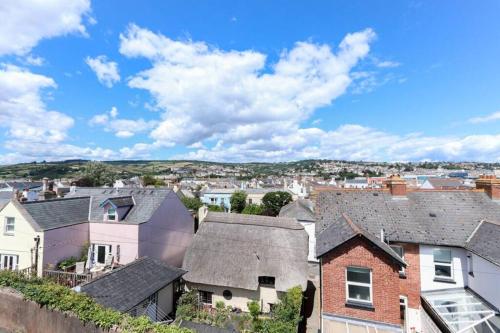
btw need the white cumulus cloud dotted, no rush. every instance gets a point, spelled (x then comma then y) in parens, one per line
(206, 93)
(105, 70)
(122, 128)
(489, 118)
(24, 23)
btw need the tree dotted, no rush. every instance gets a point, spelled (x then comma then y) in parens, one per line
(215, 208)
(253, 209)
(192, 203)
(148, 180)
(96, 174)
(285, 317)
(187, 305)
(238, 201)
(273, 201)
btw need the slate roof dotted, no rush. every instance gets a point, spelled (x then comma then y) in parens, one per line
(127, 286)
(342, 231)
(5, 197)
(301, 209)
(425, 217)
(118, 202)
(56, 213)
(147, 201)
(233, 250)
(485, 242)
(24, 185)
(444, 183)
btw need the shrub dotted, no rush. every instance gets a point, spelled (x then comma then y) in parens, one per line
(253, 209)
(238, 201)
(56, 297)
(273, 201)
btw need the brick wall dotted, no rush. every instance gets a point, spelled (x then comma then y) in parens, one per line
(385, 281)
(410, 285)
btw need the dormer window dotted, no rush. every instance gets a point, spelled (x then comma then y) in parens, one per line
(111, 214)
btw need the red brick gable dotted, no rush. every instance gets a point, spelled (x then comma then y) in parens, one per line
(385, 281)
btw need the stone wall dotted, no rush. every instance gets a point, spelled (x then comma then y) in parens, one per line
(20, 316)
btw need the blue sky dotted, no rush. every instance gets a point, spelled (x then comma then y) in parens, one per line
(250, 81)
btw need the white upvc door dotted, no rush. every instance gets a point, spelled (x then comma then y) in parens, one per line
(9, 261)
(99, 253)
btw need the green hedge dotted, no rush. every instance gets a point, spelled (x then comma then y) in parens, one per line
(54, 296)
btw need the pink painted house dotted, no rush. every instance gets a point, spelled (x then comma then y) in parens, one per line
(127, 224)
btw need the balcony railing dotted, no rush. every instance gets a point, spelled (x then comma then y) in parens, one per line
(69, 279)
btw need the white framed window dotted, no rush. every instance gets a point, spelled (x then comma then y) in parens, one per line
(10, 225)
(443, 265)
(111, 214)
(403, 306)
(9, 262)
(401, 252)
(359, 285)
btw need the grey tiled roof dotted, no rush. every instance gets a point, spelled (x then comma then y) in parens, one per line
(342, 231)
(233, 250)
(120, 201)
(56, 213)
(485, 242)
(24, 185)
(301, 209)
(446, 182)
(127, 286)
(426, 217)
(147, 201)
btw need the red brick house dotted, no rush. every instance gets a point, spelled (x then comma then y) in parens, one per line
(389, 257)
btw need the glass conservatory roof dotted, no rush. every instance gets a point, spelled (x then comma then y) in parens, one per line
(463, 312)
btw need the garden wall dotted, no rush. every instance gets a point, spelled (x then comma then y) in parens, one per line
(20, 316)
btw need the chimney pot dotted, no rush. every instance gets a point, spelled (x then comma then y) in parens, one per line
(396, 185)
(490, 184)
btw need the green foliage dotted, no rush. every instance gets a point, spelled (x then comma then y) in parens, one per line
(254, 309)
(66, 263)
(273, 201)
(285, 317)
(188, 308)
(215, 208)
(97, 174)
(238, 201)
(187, 305)
(60, 298)
(192, 203)
(148, 180)
(253, 209)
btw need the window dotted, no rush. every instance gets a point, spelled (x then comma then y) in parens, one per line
(359, 285)
(403, 304)
(9, 262)
(9, 225)
(470, 265)
(401, 252)
(212, 200)
(111, 214)
(443, 268)
(227, 294)
(267, 280)
(249, 201)
(205, 297)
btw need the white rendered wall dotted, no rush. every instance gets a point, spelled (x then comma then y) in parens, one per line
(459, 260)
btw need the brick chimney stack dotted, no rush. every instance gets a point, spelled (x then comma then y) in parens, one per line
(490, 184)
(396, 185)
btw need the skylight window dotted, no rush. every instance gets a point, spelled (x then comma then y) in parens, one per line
(462, 311)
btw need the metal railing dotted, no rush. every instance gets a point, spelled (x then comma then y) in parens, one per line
(69, 279)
